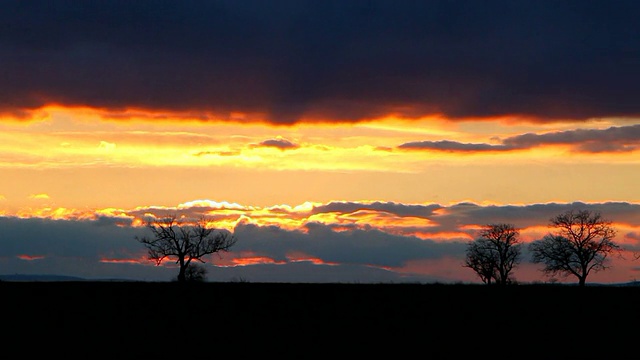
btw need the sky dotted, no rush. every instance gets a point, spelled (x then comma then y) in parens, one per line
(359, 141)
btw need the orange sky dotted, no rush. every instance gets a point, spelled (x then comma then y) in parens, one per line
(74, 158)
(75, 164)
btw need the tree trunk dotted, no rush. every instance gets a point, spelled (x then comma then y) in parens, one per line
(182, 274)
(582, 280)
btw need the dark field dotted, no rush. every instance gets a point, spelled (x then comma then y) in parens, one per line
(323, 320)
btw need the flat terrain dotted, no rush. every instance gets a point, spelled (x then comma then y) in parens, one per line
(443, 321)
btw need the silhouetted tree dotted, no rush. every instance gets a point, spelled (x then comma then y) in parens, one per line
(480, 258)
(185, 243)
(195, 273)
(581, 243)
(494, 255)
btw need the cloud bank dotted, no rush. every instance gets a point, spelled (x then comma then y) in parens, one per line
(330, 242)
(613, 139)
(292, 61)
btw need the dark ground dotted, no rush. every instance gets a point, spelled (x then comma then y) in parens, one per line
(318, 320)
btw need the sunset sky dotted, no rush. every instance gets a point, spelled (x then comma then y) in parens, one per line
(341, 141)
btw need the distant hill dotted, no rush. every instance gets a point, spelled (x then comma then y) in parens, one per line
(49, 278)
(31, 277)
(64, 278)
(631, 283)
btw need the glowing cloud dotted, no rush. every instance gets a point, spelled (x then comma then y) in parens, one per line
(39, 196)
(30, 257)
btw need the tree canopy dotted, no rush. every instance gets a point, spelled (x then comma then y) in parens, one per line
(494, 255)
(580, 244)
(185, 242)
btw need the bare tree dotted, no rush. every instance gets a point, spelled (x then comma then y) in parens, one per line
(581, 244)
(480, 258)
(494, 255)
(185, 243)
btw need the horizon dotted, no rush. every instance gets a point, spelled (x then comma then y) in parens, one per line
(54, 278)
(340, 142)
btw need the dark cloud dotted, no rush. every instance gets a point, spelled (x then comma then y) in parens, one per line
(613, 139)
(281, 144)
(47, 237)
(633, 235)
(365, 247)
(453, 146)
(390, 207)
(633, 239)
(535, 214)
(105, 247)
(287, 60)
(306, 272)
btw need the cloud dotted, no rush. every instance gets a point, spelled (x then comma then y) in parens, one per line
(358, 247)
(452, 146)
(106, 146)
(66, 238)
(635, 236)
(39, 196)
(391, 207)
(333, 242)
(279, 143)
(291, 61)
(218, 153)
(613, 139)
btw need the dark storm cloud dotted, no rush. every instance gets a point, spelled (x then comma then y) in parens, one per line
(324, 59)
